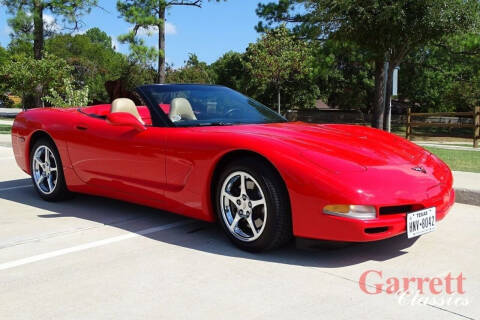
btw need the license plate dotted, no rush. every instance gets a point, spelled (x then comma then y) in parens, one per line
(420, 222)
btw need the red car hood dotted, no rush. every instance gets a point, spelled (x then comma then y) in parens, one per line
(341, 146)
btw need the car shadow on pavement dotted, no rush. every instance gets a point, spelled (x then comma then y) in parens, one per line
(202, 236)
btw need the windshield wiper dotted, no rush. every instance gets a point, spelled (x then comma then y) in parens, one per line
(216, 123)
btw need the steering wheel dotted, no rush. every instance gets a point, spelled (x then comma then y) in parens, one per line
(230, 112)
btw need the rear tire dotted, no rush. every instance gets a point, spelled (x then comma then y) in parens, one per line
(252, 205)
(47, 171)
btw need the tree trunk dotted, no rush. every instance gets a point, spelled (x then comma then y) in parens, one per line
(38, 29)
(388, 100)
(38, 40)
(379, 103)
(161, 47)
(278, 99)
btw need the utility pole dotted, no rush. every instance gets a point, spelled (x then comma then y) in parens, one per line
(389, 102)
(386, 103)
(278, 99)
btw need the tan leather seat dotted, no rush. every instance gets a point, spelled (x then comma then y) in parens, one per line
(180, 109)
(126, 105)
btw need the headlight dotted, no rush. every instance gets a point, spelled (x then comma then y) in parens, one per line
(351, 211)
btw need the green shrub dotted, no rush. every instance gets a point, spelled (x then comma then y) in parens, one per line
(71, 97)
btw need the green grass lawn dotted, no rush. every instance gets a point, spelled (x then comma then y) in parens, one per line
(460, 160)
(5, 128)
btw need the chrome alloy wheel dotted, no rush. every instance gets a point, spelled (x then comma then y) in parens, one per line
(44, 169)
(243, 206)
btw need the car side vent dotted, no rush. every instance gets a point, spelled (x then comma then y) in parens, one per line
(398, 209)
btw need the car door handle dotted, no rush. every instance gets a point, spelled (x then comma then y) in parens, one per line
(81, 127)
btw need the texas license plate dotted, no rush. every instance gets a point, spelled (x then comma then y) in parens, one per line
(420, 222)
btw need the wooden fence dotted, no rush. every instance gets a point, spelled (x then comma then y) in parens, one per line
(475, 125)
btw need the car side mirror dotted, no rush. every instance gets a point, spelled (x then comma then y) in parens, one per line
(125, 119)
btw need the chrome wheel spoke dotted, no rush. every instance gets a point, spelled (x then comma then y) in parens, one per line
(40, 180)
(50, 183)
(252, 226)
(256, 203)
(38, 160)
(231, 198)
(243, 188)
(235, 222)
(47, 158)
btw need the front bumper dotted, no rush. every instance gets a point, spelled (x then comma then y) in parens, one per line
(335, 228)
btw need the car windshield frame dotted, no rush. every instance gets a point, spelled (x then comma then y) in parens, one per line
(151, 94)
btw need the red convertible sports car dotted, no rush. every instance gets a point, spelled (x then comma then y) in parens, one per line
(211, 153)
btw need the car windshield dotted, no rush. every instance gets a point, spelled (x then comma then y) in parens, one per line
(208, 105)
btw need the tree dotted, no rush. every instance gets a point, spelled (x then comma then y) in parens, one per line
(4, 100)
(24, 10)
(134, 75)
(3, 56)
(194, 71)
(69, 10)
(230, 70)
(149, 16)
(99, 37)
(22, 26)
(443, 76)
(93, 60)
(23, 74)
(344, 73)
(389, 30)
(279, 60)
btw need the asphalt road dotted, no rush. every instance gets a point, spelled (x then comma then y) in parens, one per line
(95, 258)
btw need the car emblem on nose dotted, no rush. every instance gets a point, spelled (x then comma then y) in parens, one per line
(419, 169)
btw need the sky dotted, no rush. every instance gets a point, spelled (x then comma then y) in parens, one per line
(209, 31)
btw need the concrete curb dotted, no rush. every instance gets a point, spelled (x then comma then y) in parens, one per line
(9, 112)
(7, 115)
(467, 196)
(467, 187)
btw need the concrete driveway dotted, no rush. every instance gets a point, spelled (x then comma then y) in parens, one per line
(95, 258)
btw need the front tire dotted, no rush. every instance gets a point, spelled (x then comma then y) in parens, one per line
(47, 171)
(252, 205)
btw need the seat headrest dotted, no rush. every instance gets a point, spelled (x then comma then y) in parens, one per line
(180, 109)
(125, 105)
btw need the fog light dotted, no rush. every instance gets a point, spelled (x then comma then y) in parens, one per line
(351, 211)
